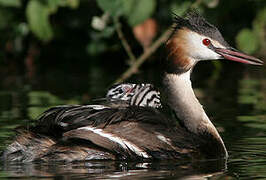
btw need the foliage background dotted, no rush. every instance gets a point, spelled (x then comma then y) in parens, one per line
(41, 40)
(55, 52)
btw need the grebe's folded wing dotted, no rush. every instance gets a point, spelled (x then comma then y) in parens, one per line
(60, 119)
(127, 136)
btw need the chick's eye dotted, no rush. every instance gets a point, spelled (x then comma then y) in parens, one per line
(126, 89)
(206, 42)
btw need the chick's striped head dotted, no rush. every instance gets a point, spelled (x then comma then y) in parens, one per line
(135, 94)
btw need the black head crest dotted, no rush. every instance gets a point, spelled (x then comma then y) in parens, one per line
(196, 23)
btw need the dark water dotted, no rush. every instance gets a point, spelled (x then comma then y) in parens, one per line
(234, 98)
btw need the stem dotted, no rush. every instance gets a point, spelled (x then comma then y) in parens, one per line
(134, 67)
(125, 44)
(137, 63)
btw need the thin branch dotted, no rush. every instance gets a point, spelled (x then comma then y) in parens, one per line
(125, 44)
(134, 67)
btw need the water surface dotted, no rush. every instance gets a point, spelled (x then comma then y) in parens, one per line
(234, 98)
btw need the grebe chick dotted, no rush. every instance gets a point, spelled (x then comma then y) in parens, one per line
(135, 94)
(93, 132)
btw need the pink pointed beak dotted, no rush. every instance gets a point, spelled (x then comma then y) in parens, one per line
(235, 55)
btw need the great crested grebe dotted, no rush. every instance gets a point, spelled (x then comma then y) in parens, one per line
(93, 132)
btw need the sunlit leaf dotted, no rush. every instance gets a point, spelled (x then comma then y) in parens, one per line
(38, 19)
(138, 11)
(211, 3)
(113, 7)
(128, 6)
(179, 8)
(53, 5)
(259, 26)
(73, 3)
(247, 41)
(10, 3)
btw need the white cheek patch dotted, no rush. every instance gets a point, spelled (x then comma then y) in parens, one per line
(198, 50)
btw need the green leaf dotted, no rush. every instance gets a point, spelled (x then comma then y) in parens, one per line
(138, 11)
(73, 3)
(113, 7)
(41, 98)
(10, 3)
(211, 3)
(128, 6)
(247, 41)
(105, 33)
(259, 25)
(53, 5)
(38, 19)
(5, 18)
(96, 47)
(179, 8)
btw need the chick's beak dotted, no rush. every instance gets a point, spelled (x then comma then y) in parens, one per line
(235, 55)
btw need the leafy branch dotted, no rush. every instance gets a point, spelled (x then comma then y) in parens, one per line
(147, 53)
(134, 67)
(124, 42)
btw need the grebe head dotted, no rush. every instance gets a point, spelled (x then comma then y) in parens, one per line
(194, 39)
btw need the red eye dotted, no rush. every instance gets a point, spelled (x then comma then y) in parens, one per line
(206, 42)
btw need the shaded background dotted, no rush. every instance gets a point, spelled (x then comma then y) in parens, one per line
(44, 39)
(56, 52)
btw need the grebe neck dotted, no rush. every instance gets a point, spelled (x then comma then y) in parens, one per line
(182, 100)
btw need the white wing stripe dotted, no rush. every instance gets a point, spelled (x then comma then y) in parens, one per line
(123, 142)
